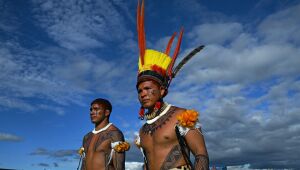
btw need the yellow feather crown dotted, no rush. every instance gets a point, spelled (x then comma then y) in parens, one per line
(154, 60)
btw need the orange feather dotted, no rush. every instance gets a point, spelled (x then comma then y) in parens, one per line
(170, 43)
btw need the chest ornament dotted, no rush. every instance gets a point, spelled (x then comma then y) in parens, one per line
(151, 127)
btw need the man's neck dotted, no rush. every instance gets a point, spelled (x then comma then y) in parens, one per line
(101, 125)
(152, 113)
(164, 109)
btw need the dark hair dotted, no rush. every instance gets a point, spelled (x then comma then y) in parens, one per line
(104, 102)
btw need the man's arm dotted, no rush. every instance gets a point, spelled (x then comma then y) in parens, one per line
(82, 157)
(201, 162)
(196, 143)
(118, 158)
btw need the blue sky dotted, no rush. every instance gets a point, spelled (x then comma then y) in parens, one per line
(57, 56)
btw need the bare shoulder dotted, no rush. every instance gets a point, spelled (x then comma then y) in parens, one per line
(114, 128)
(87, 136)
(178, 110)
(172, 114)
(115, 133)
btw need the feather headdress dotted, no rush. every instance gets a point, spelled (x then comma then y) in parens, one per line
(156, 65)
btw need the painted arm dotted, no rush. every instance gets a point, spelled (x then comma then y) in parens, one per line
(119, 160)
(196, 143)
(82, 152)
(118, 157)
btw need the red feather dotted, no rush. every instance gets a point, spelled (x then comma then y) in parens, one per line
(170, 43)
(141, 30)
(175, 53)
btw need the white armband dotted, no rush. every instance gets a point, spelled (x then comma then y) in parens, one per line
(118, 146)
(138, 141)
(113, 144)
(138, 144)
(184, 130)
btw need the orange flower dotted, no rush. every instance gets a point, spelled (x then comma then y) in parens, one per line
(122, 147)
(188, 118)
(80, 151)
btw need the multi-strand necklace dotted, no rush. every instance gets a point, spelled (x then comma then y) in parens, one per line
(156, 112)
(153, 124)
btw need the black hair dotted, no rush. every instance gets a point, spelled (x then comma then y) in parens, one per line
(104, 102)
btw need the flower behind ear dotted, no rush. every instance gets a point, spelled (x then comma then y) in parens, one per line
(188, 118)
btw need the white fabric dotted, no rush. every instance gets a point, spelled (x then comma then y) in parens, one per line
(138, 142)
(184, 130)
(113, 144)
(102, 129)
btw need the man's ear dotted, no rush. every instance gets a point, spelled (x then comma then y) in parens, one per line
(162, 91)
(107, 112)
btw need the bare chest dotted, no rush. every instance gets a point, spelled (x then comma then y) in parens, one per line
(158, 134)
(99, 143)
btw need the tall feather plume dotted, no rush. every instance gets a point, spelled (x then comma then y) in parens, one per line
(186, 59)
(175, 53)
(141, 30)
(170, 43)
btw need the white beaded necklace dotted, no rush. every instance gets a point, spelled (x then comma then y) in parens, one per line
(102, 129)
(160, 115)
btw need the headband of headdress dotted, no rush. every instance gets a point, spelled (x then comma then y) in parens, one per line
(155, 65)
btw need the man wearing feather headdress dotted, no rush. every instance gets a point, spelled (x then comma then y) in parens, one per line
(170, 133)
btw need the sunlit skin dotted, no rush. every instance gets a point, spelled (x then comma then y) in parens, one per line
(99, 116)
(158, 145)
(149, 93)
(96, 157)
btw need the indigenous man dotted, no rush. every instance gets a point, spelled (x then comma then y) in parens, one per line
(170, 132)
(104, 147)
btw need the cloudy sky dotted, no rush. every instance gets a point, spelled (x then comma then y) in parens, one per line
(56, 56)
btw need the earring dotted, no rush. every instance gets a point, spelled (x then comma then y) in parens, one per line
(142, 113)
(157, 105)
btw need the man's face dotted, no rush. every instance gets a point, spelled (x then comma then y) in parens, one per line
(97, 113)
(149, 93)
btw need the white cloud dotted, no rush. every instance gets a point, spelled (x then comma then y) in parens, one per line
(133, 165)
(78, 25)
(218, 33)
(29, 75)
(247, 91)
(9, 137)
(282, 26)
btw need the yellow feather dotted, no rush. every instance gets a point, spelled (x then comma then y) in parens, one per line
(153, 57)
